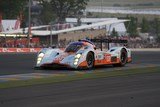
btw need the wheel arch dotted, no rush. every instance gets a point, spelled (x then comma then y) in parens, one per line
(122, 62)
(125, 49)
(92, 53)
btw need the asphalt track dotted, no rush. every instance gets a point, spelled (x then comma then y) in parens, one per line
(24, 63)
(141, 90)
(132, 91)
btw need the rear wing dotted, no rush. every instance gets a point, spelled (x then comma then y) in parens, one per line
(108, 41)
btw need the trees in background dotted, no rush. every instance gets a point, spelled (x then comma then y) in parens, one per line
(65, 8)
(51, 9)
(46, 15)
(156, 28)
(10, 9)
(144, 25)
(152, 27)
(61, 9)
(114, 33)
(132, 26)
(58, 10)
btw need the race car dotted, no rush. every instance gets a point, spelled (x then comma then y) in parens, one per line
(82, 54)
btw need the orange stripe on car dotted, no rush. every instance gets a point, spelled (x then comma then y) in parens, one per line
(83, 64)
(129, 59)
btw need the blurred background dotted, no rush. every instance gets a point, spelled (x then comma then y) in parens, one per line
(142, 31)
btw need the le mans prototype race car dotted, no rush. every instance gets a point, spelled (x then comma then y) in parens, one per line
(82, 54)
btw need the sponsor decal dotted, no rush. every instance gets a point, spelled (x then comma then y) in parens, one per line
(4, 50)
(32, 50)
(100, 56)
(8, 49)
(108, 58)
(19, 50)
(1, 50)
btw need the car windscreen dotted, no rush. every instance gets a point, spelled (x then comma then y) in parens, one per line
(73, 47)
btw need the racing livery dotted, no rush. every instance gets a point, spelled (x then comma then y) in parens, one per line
(82, 54)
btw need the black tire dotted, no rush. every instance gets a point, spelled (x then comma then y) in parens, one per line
(90, 60)
(123, 58)
(37, 68)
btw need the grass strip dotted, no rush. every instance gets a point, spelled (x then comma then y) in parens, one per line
(79, 76)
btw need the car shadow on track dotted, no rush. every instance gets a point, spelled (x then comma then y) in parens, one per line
(62, 70)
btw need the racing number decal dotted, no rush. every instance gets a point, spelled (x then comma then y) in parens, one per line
(100, 56)
(103, 58)
(108, 57)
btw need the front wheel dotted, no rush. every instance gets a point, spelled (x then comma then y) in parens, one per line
(90, 60)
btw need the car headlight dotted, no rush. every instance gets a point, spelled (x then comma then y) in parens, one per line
(40, 57)
(77, 57)
(76, 60)
(75, 63)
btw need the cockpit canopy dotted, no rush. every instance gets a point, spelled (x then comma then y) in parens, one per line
(74, 47)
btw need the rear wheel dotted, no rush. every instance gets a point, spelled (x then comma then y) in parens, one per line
(90, 60)
(123, 58)
(39, 68)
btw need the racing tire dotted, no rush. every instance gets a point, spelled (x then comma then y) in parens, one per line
(123, 58)
(37, 68)
(90, 60)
